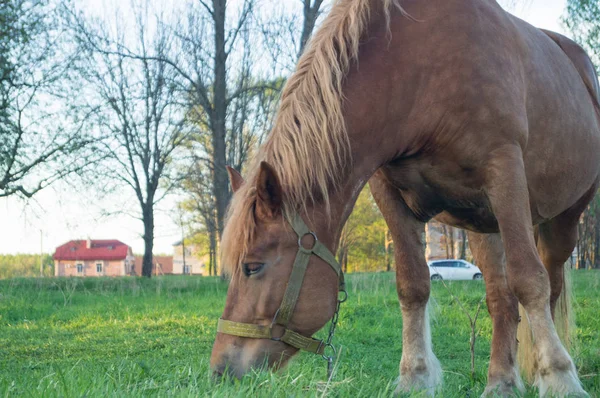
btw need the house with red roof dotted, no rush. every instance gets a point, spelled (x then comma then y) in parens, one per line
(93, 258)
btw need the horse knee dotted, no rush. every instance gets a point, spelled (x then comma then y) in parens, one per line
(413, 295)
(502, 304)
(531, 286)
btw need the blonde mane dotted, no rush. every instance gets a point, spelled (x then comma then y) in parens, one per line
(309, 145)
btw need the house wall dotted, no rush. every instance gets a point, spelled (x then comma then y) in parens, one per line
(114, 268)
(109, 268)
(197, 265)
(129, 263)
(436, 248)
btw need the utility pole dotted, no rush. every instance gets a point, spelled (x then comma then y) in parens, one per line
(183, 248)
(41, 254)
(182, 238)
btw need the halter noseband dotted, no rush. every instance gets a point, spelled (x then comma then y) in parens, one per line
(284, 313)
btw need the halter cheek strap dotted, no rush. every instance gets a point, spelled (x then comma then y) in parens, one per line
(290, 298)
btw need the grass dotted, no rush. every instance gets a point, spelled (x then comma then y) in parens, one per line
(136, 337)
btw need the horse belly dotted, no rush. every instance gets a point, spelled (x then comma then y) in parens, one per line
(444, 190)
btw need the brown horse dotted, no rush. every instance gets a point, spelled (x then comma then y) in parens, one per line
(453, 110)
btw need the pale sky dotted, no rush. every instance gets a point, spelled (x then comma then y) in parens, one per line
(60, 214)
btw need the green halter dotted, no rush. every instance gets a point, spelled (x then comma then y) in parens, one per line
(286, 309)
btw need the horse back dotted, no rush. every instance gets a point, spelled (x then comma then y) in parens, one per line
(474, 78)
(581, 61)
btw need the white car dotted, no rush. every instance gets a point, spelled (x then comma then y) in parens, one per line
(453, 269)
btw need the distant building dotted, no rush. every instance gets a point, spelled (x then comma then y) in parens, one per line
(93, 258)
(444, 241)
(194, 265)
(162, 265)
(436, 241)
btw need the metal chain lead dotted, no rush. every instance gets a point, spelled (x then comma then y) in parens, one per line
(332, 325)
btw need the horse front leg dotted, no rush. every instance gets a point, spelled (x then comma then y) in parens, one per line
(507, 190)
(420, 370)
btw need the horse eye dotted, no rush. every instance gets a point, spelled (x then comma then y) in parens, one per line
(252, 268)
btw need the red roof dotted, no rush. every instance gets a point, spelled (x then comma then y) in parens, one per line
(110, 249)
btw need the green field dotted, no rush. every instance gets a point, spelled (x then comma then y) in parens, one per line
(138, 337)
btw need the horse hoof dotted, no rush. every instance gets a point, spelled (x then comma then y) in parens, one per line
(504, 389)
(559, 383)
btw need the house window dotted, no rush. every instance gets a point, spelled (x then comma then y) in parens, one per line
(80, 268)
(98, 268)
(186, 269)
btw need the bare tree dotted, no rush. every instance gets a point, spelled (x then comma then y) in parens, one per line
(139, 108)
(311, 10)
(206, 71)
(286, 31)
(40, 136)
(232, 99)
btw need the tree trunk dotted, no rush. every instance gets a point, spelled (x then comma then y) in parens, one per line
(388, 256)
(446, 239)
(463, 244)
(451, 234)
(218, 114)
(596, 263)
(148, 219)
(578, 265)
(311, 13)
(388, 263)
(581, 247)
(213, 252)
(183, 253)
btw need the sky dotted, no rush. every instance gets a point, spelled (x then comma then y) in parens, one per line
(62, 213)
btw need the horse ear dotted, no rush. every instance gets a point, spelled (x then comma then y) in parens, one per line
(235, 178)
(268, 189)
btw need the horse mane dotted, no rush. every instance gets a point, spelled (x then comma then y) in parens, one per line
(308, 145)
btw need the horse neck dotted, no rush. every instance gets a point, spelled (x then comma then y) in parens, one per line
(373, 141)
(328, 222)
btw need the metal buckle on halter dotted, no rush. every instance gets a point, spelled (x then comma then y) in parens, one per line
(302, 248)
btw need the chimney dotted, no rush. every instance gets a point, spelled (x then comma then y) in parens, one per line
(88, 243)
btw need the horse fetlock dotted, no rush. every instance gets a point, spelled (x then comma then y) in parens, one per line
(423, 373)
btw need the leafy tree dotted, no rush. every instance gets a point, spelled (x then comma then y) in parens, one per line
(232, 100)
(364, 241)
(583, 20)
(136, 103)
(25, 265)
